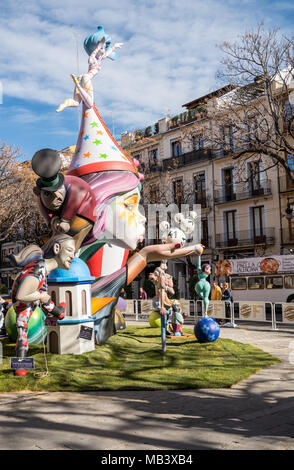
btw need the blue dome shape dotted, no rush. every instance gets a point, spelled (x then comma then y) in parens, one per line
(78, 273)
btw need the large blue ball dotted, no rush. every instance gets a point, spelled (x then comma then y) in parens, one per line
(207, 330)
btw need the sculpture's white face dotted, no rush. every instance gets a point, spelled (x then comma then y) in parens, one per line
(125, 225)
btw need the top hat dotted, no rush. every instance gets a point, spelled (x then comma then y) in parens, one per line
(46, 163)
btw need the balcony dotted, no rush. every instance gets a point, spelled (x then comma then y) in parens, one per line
(242, 191)
(245, 238)
(286, 184)
(188, 158)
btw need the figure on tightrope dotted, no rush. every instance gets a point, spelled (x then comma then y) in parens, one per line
(83, 83)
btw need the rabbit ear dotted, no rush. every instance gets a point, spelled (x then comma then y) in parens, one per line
(163, 226)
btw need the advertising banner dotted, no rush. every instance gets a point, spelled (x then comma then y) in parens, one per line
(263, 266)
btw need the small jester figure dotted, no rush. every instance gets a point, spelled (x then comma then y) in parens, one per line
(29, 288)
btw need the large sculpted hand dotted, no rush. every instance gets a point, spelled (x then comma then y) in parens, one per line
(59, 226)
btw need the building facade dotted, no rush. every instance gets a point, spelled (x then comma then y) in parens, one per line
(241, 217)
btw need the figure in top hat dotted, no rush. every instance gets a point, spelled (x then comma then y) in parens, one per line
(66, 202)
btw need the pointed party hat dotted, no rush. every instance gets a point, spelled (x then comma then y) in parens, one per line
(97, 150)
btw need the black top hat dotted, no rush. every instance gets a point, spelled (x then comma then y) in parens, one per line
(46, 163)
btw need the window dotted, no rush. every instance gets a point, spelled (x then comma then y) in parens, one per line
(178, 192)
(289, 282)
(153, 195)
(255, 283)
(275, 282)
(290, 161)
(68, 303)
(230, 227)
(289, 111)
(84, 302)
(198, 142)
(258, 224)
(228, 181)
(200, 189)
(153, 157)
(204, 232)
(176, 148)
(254, 178)
(53, 297)
(238, 283)
(228, 138)
(3, 256)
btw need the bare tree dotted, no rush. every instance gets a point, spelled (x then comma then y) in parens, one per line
(19, 213)
(257, 116)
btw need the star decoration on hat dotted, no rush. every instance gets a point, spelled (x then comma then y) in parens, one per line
(103, 155)
(94, 124)
(97, 142)
(87, 155)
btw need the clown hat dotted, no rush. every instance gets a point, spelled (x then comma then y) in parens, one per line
(97, 150)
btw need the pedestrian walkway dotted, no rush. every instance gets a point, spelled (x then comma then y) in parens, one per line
(257, 413)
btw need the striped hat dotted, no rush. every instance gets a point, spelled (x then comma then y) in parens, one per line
(97, 150)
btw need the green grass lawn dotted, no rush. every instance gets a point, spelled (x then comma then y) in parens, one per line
(133, 360)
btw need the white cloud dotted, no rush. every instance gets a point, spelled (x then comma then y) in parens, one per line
(168, 58)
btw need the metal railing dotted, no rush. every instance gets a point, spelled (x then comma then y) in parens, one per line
(245, 238)
(187, 158)
(241, 311)
(241, 191)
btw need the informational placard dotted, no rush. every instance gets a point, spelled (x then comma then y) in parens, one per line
(86, 332)
(22, 363)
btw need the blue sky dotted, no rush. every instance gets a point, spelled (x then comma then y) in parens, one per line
(169, 57)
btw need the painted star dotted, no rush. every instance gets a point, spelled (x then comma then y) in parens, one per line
(97, 142)
(103, 155)
(94, 124)
(100, 132)
(86, 137)
(87, 155)
(114, 148)
(85, 115)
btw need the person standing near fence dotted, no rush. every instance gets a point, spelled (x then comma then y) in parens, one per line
(142, 294)
(216, 292)
(228, 298)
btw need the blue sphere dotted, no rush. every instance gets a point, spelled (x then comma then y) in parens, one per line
(207, 330)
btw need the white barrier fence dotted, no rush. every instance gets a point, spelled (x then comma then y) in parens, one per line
(254, 311)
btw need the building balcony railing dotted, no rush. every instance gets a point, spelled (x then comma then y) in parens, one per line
(187, 158)
(245, 238)
(241, 191)
(286, 184)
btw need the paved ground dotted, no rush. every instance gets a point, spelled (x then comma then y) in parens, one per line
(257, 413)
